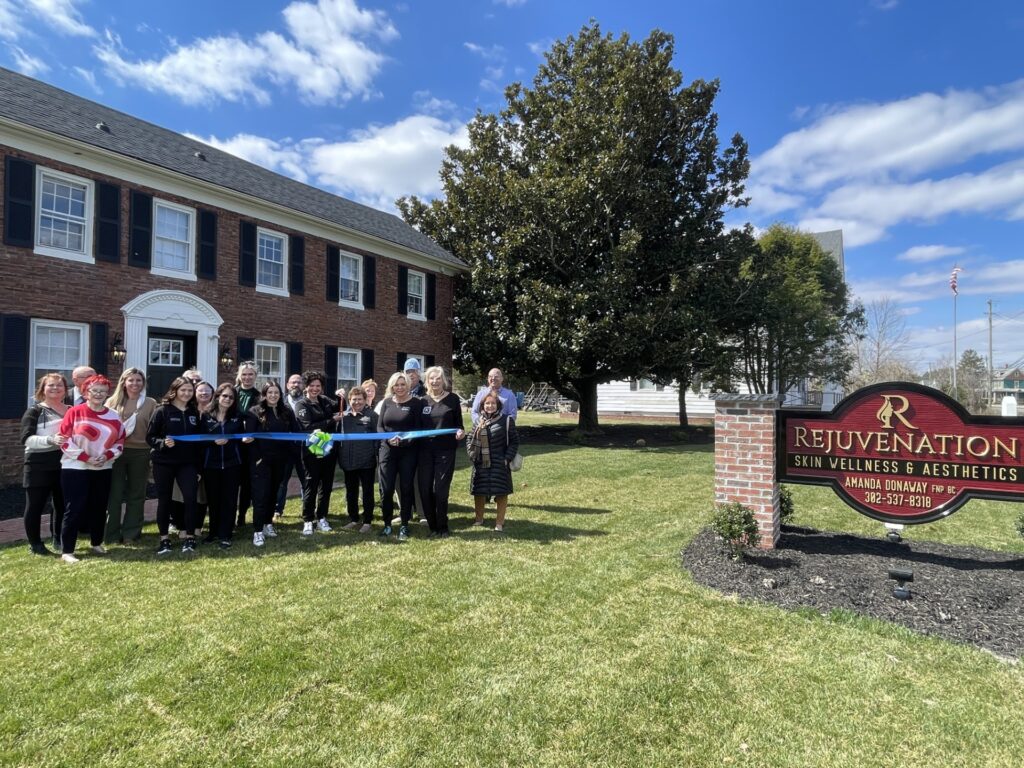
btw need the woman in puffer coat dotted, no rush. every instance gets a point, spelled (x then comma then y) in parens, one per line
(492, 445)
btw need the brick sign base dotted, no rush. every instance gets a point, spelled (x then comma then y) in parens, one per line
(745, 458)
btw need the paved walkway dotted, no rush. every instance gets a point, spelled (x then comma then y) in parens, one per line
(14, 529)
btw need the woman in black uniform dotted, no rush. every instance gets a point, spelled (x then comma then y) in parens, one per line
(316, 411)
(442, 409)
(397, 466)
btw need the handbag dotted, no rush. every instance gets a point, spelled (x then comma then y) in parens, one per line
(517, 461)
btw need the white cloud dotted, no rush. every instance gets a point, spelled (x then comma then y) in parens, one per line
(426, 103)
(26, 63)
(539, 47)
(375, 166)
(62, 15)
(10, 24)
(487, 53)
(324, 56)
(510, 3)
(89, 77)
(924, 253)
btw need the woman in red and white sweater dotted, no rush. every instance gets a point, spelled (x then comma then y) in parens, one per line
(92, 437)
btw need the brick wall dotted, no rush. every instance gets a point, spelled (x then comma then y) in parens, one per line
(57, 289)
(745, 458)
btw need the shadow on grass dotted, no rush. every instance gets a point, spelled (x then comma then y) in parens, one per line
(562, 510)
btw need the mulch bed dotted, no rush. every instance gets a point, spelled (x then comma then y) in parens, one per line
(963, 594)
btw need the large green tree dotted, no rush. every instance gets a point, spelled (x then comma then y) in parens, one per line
(793, 316)
(584, 210)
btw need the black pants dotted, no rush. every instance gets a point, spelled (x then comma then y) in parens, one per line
(356, 480)
(317, 486)
(245, 486)
(164, 476)
(35, 504)
(221, 495)
(267, 479)
(397, 468)
(282, 491)
(86, 493)
(436, 468)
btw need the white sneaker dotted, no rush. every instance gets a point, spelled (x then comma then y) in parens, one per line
(257, 539)
(69, 558)
(323, 525)
(424, 521)
(269, 532)
(307, 528)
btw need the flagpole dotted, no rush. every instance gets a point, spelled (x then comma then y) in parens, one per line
(954, 345)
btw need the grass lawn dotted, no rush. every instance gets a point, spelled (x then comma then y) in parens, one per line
(575, 638)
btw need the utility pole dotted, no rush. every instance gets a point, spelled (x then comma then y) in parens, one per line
(991, 388)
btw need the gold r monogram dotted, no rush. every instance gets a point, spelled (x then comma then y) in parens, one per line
(888, 410)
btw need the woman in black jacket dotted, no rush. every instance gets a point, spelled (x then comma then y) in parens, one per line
(316, 411)
(358, 459)
(492, 445)
(268, 459)
(401, 412)
(223, 462)
(442, 409)
(175, 461)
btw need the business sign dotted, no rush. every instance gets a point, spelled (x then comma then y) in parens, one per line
(902, 453)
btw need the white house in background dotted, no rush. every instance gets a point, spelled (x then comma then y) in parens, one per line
(644, 398)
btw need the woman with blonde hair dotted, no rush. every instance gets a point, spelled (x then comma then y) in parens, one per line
(131, 468)
(400, 412)
(41, 438)
(442, 409)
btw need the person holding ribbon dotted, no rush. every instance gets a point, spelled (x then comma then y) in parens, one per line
(41, 480)
(401, 412)
(131, 469)
(492, 445)
(174, 460)
(92, 438)
(223, 461)
(317, 412)
(245, 383)
(442, 409)
(358, 459)
(269, 460)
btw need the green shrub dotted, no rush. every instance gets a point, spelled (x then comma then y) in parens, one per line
(736, 525)
(785, 506)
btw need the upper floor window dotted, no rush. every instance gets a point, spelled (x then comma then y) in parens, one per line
(64, 215)
(271, 262)
(416, 292)
(350, 287)
(173, 240)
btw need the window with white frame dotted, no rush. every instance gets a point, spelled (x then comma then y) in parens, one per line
(269, 362)
(416, 291)
(57, 347)
(349, 363)
(271, 262)
(350, 288)
(169, 353)
(173, 240)
(63, 215)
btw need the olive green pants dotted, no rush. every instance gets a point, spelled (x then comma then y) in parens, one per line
(127, 487)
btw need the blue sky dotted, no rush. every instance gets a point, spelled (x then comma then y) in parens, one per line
(900, 122)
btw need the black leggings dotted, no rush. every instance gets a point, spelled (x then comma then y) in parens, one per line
(35, 504)
(87, 492)
(267, 478)
(317, 487)
(188, 481)
(435, 477)
(356, 480)
(221, 497)
(397, 466)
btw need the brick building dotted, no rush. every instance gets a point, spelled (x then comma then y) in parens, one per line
(125, 244)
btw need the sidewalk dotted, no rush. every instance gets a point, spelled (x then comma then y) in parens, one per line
(14, 529)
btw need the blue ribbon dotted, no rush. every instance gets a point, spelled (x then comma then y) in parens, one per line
(303, 437)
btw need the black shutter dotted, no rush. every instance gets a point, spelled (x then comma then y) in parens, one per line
(330, 369)
(14, 373)
(207, 245)
(19, 203)
(369, 283)
(403, 290)
(297, 265)
(246, 253)
(333, 273)
(294, 359)
(140, 247)
(401, 361)
(366, 365)
(98, 333)
(108, 223)
(428, 361)
(431, 296)
(246, 349)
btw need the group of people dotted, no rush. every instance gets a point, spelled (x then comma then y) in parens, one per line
(215, 451)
